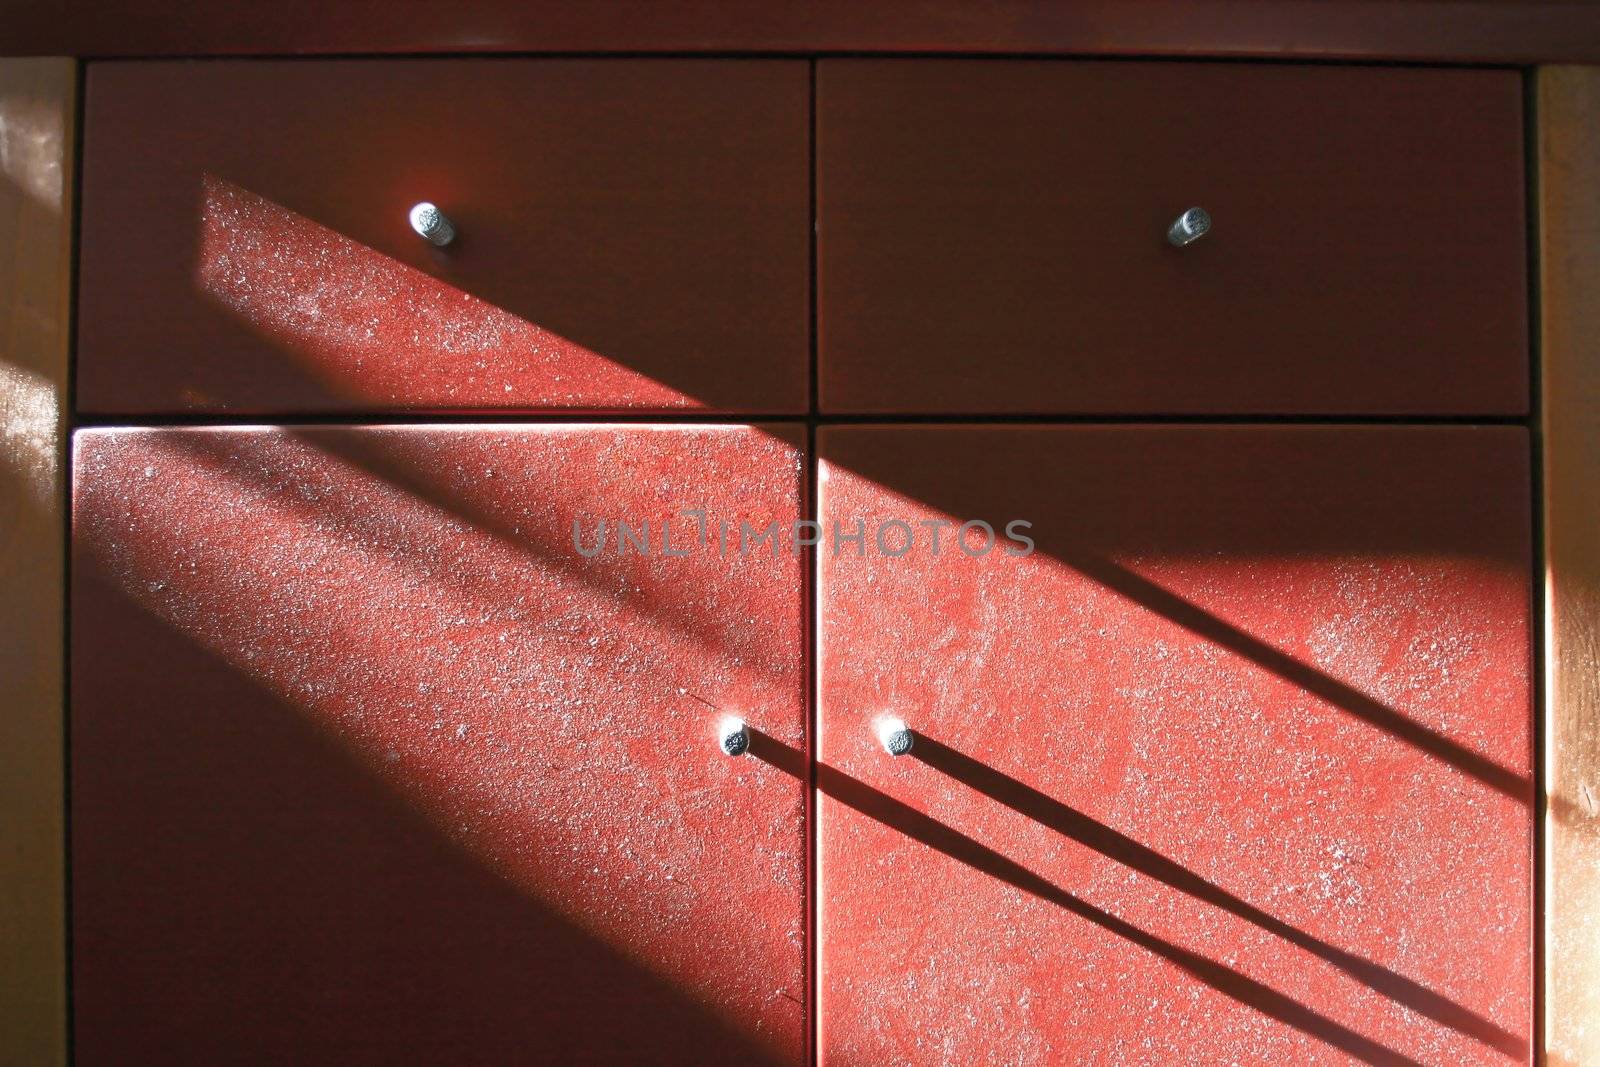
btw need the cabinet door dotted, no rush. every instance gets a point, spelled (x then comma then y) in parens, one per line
(630, 234)
(370, 765)
(1232, 767)
(992, 238)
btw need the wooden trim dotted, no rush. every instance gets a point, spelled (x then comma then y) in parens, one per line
(1568, 102)
(38, 112)
(1474, 31)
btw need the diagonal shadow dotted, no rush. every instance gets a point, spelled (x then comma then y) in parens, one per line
(373, 456)
(1182, 612)
(886, 470)
(1352, 701)
(904, 819)
(335, 920)
(384, 462)
(306, 669)
(1194, 517)
(1247, 990)
(1069, 822)
(380, 461)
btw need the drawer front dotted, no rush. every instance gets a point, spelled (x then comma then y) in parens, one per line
(1233, 766)
(370, 766)
(629, 235)
(992, 239)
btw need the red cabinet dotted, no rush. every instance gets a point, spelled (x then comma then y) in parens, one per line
(1233, 766)
(991, 239)
(371, 766)
(631, 234)
(402, 743)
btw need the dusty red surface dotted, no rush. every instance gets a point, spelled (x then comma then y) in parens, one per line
(369, 766)
(1234, 768)
(632, 236)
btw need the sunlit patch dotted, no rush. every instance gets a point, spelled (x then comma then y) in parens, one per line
(30, 147)
(377, 330)
(29, 417)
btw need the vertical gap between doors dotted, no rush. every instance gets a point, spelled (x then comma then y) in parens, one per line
(1538, 607)
(810, 604)
(67, 421)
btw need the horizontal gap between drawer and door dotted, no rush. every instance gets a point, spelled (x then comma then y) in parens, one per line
(465, 418)
(913, 56)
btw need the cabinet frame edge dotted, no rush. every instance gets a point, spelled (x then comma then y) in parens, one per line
(38, 196)
(1567, 164)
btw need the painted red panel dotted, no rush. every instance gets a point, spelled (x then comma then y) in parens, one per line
(991, 238)
(370, 766)
(1234, 767)
(631, 235)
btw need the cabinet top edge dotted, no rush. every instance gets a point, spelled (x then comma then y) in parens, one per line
(1504, 32)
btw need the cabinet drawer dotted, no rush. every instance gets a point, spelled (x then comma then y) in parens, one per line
(992, 239)
(371, 765)
(1234, 765)
(630, 234)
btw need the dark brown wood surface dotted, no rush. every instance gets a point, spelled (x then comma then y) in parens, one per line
(1499, 31)
(991, 239)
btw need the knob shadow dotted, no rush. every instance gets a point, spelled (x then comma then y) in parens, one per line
(1071, 823)
(904, 819)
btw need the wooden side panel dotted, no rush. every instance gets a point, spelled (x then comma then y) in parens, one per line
(1569, 220)
(37, 112)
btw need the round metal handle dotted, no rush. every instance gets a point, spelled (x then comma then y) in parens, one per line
(733, 735)
(894, 735)
(1189, 227)
(431, 224)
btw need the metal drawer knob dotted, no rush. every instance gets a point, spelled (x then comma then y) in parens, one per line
(1189, 227)
(894, 735)
(733, 735)
(432, 225)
